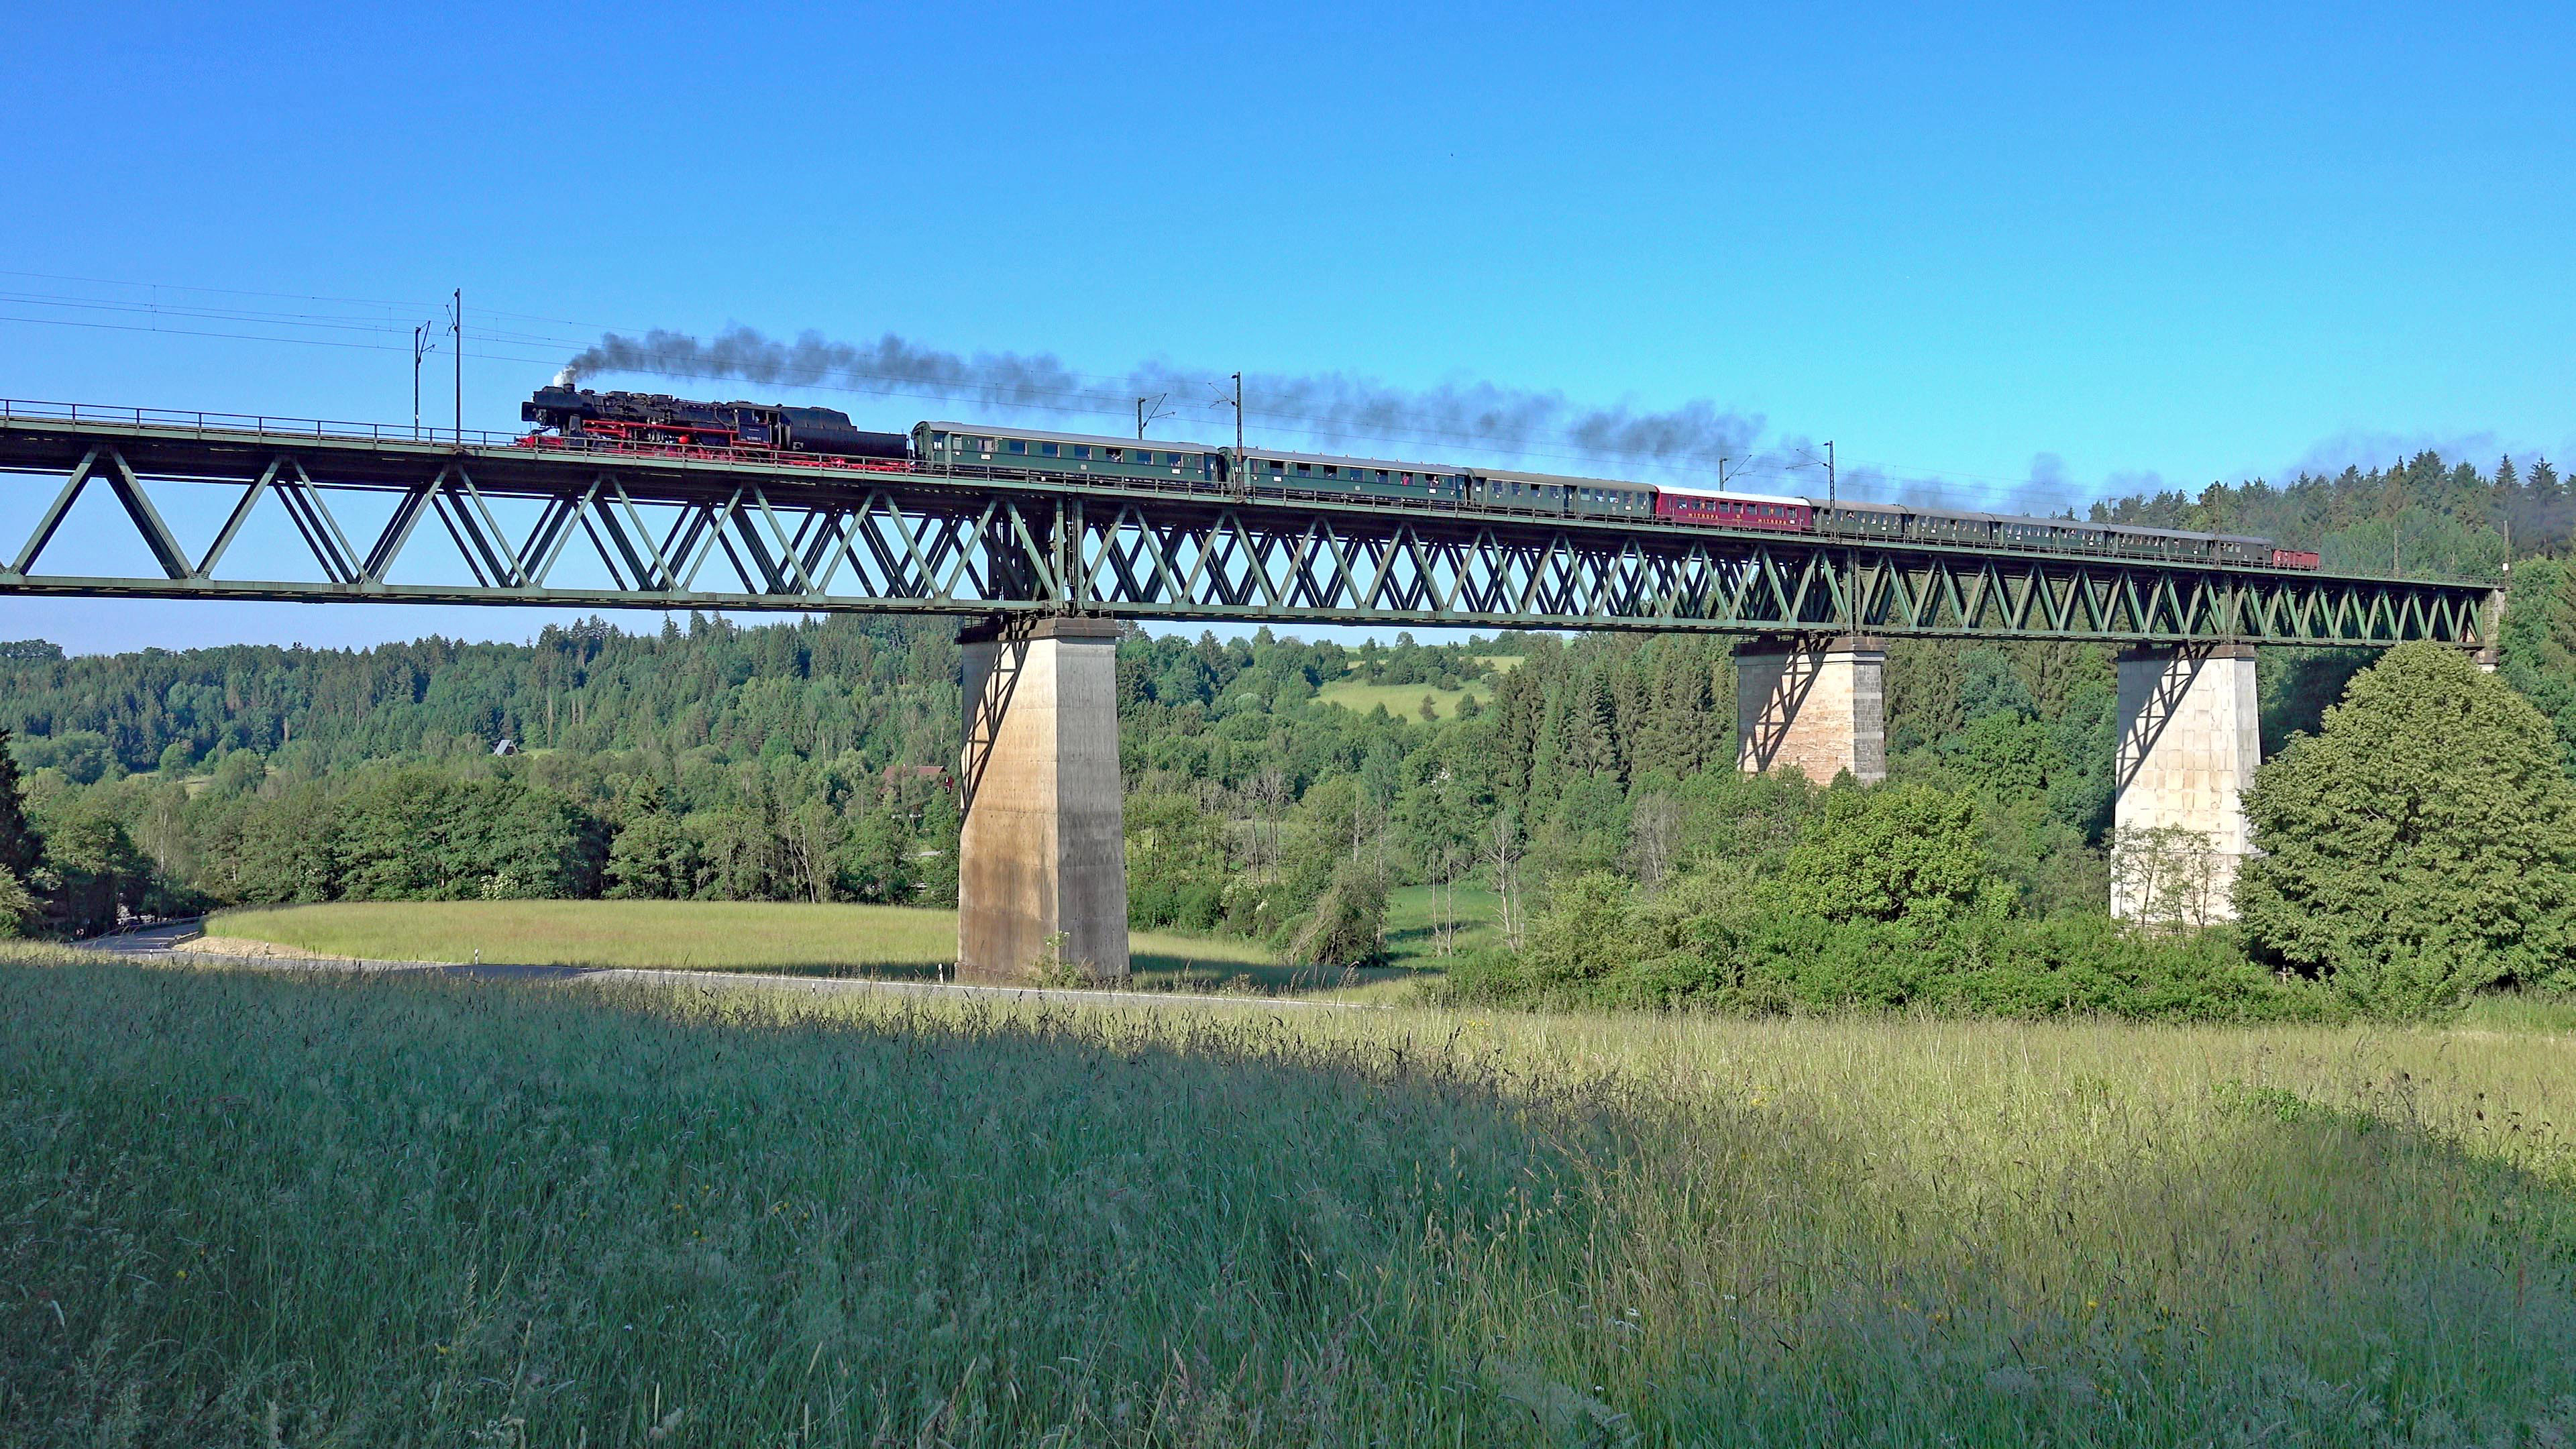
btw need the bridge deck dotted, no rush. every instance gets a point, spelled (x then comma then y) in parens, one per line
(540, 525)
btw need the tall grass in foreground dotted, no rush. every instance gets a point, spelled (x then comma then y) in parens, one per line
(242, 1209)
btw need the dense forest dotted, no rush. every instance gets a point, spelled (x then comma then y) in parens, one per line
(809, 760)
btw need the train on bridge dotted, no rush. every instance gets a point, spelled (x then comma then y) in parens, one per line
(566, 416)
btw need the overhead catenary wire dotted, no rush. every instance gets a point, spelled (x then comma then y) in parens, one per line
(1066, 402)
(1904, 478)
(512, 345)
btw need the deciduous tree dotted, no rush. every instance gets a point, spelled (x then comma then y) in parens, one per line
(2422, 845)
(1896, 853)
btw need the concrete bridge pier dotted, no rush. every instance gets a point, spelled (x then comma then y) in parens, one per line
(1820, 705)
(1043, 855)
(2190, 739)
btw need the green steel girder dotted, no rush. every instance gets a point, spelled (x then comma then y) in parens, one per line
(529, 527)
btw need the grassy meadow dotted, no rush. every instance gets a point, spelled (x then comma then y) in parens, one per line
(1404, 701)
(898, 942)
(245, 1208)
(1414, 915)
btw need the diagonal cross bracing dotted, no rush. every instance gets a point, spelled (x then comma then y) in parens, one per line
(733, 536)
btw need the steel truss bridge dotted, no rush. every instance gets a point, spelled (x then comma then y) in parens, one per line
(378, 515)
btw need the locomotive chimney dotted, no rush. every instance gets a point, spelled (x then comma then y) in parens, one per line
(567, 378)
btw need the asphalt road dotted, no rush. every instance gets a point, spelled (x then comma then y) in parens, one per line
(169, 943)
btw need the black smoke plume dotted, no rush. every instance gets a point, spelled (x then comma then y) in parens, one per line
(1333, 411)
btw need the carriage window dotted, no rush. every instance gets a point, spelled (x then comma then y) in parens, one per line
(1305, 467)
(1332, 472)
(1278, 467)
(1081, 450)
(1018, 446)
(1047, 450)
(1114, 455)
(1381, 475)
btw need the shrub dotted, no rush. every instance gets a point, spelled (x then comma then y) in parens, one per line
(1722, 941)
(1176, 863)
(2419, 848)
(1348, 921)
(1899, 853)
(19, 907)
(1585, 935)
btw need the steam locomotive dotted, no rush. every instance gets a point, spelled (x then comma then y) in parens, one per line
(655, 420)
(657, 423)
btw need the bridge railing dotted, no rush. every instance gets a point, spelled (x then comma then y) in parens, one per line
(204, 424)
(266, 425)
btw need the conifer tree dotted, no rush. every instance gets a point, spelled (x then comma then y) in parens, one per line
(20, 847)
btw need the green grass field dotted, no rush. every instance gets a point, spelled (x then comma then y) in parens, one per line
(1404, 701)
(238, 1207)
(899, 942)
(1414, 915)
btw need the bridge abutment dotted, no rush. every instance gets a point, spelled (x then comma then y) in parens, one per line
(1042, 857)
(2190, 739)
(1819, 706)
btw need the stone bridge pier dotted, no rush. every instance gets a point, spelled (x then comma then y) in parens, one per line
(1042, 858)
(2190, 738)
(1818, 705)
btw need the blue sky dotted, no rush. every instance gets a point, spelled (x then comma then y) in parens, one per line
(2009, 250)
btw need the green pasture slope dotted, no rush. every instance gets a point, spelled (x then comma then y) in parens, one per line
(1404, 701)
(240, 1207)
(896, 942)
